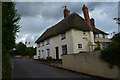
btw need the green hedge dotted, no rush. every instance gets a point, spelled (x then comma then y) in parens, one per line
(6, 66)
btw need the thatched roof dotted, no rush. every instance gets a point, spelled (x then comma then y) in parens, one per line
(73, 21)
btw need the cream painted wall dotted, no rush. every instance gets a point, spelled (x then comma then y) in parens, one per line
(79, 37)
(101, 36)
(73, 38)
(44, 49)
(58, 42)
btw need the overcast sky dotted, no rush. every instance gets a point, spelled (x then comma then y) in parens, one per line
(38, 16)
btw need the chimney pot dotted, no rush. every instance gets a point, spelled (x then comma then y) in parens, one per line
(66, 12)
(86, 15)
(92, 22)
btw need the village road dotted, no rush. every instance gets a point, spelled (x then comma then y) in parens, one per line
(28, 68)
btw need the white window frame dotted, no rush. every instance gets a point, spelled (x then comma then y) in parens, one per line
(38, 45)
(39, 52)
(84, 33)
(103, 35)
(42, 43)
(64, 52)
(48, 52)
(64, 36)
(78, 46)
(47, 41)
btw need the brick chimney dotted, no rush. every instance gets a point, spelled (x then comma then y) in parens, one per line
(66, 12)
(92, 22)
(86, 16)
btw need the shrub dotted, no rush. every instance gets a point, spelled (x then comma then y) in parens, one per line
(111, 54)
(49, 58)
(97, 48)
(6, 66)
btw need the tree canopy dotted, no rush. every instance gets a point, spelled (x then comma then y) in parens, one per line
(21, 49)
(10, 26)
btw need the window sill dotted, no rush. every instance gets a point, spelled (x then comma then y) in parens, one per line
(62, 38)
(80, 48)
(47, 43)
(63, 54)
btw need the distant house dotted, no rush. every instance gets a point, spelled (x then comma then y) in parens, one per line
(28, 44)
(71, 35)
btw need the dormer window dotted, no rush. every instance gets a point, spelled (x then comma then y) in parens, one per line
(63, 36)
(48, 42)
(84, 32)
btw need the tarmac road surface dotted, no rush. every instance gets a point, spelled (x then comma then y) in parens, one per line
(28, 68)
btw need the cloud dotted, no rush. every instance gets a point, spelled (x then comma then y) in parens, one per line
(38, 16)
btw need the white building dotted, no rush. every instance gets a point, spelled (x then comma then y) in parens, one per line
(28, 44)
(71, 35)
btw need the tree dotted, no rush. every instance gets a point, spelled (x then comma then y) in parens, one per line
(21, 49)
(10, 26)
(30, 51)
(111, 54)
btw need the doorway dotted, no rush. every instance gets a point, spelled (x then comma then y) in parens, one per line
(57, 53)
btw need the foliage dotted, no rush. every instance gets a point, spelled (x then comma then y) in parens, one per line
(6, 66)
(98, 44)
(10, 19)
(111, 54)
(30, 51)
(49, 58)
(97, 48)
(116, 37)
(22, 50)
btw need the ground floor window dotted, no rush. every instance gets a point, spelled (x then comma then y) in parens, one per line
(64, 49)
(39, 52)
(48, 52)
(80, 46)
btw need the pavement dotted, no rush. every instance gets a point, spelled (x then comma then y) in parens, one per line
(28, 68)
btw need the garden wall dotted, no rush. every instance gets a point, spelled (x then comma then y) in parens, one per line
(89, 63)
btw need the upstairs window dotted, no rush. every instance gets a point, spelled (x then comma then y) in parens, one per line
(63, 36)
(42, 43)
(48, 42)
(42, 51)
(103, 36)
(84, 32)
(64, 49)
(80, 46)
(38, 45)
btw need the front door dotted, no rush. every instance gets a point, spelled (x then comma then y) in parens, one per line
(57, 53)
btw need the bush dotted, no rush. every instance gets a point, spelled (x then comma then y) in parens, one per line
(6, 66)
(49, 58)
(111, 54)
(97, 48)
